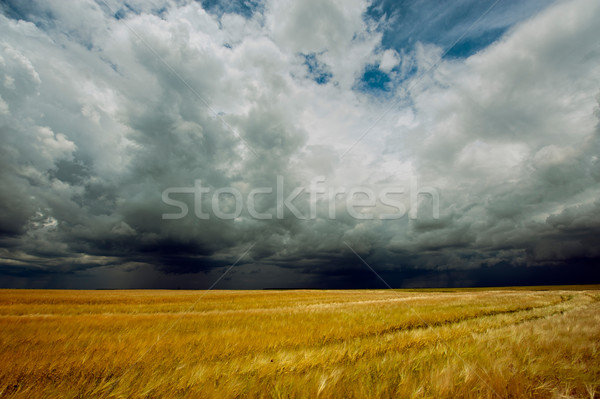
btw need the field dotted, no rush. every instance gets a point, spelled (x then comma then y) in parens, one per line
(490, 343)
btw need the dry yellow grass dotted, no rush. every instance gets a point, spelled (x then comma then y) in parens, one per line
(376, 343)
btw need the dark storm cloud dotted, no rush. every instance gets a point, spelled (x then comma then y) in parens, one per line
(105, 106)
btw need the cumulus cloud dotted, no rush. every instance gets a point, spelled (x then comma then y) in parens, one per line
(103, 106)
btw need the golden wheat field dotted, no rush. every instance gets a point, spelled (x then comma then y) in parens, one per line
(490, 343)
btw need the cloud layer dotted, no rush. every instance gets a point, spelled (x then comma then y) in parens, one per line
(104, 105)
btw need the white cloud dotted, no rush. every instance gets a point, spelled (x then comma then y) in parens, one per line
(389, 60)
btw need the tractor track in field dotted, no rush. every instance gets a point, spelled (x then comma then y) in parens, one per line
(296, 352)
(388, 332)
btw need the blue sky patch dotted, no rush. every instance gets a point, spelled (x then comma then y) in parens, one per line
(317, 71)
(462, 27)
(245, 8)
(374, 80)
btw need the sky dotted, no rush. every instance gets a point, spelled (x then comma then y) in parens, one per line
(299, 144)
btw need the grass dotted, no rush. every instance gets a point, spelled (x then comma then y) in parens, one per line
(511, 342)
